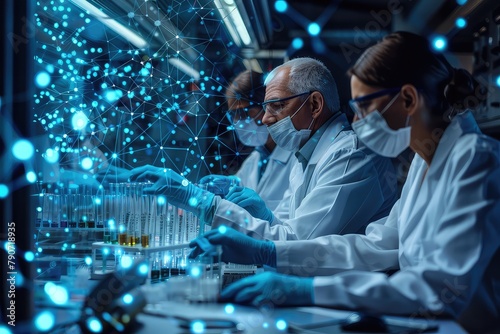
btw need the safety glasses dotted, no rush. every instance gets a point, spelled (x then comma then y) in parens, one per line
(360, 104)
(242, 114)
(276, 106)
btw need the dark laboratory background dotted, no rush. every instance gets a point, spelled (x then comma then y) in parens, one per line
(97, 84)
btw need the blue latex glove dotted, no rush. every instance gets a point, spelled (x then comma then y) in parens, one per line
(219, 184)
(270, 287)
(177, 189)
(236, 247)
(249, 200)
(114, 174)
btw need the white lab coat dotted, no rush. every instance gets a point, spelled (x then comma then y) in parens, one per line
(343, 188)
(274, 182)
(443, 234)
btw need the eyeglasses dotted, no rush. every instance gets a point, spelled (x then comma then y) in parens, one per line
(276, 106)
(242, 114)
(360, 104)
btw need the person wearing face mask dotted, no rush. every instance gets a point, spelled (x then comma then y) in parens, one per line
(265, 171)
(442, 235)
(336, 184)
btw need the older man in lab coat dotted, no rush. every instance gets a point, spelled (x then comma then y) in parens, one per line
(337, 186)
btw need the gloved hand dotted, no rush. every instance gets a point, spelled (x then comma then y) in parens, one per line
(219, 184)
(177, 189)
(113, 174)
(236, 247)
(249, 200)
(270, 287)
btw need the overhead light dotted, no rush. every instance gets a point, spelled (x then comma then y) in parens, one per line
(120, 29)
(234, 22)
(253, 65)
(185, 67)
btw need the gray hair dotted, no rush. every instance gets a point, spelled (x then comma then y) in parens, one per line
(308, 74)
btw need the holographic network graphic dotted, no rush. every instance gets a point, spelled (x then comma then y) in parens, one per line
(103, 102)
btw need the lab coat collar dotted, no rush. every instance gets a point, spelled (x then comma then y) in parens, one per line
(280, 155)
(306, 153)
(460, 125)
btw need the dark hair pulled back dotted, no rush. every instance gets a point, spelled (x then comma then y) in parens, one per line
(248, 85)
(406, 58)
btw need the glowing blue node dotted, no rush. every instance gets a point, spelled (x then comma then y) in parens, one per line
(31, 177)
(97, 201)
(281, 325)
(229, 309)
(143, 269)
(4, 330)
(461, 23)
(79, 120)
(42, 79)
(297, 43)
(461, 2)
(439, 43)
(193, 201)
(44, 321)
(222, 229)
(498, 81)
(29, 256)
(88, 260)
(128, 299)
(195, 272)
(198, 327)
(51, 156)
(59, 295)
(185, 182)
(87, 163)
(161, 200)
(313, 29)
(281, 6)
(126, 261)
(114, 155)
(94, 325)
(4, 191)
(23, 149)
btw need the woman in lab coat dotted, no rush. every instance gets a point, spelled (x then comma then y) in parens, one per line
(443, 234)
(266, 170)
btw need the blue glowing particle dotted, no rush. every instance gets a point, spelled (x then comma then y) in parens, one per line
(4, 330)
(439, 43)
(195, 272)
(193, 201)
(461, 2)
(44, 321)
(128, 298)
(460, 23)
(59, 295)
(161, 200)
(79, 120)
(23, 149)
(87, 163)
(126, 261)
(4, 190)
(313, 29)
(143, 269)
(222, 229)
(229, 309)
(281, 325)
(114, 155)
(498, 81)
(42, 79)
(94, 325)
(281, 6)
(31, 176)
(29, 256)
(97, 201)
(88, 260)
(51, 156)
(297, 43)
(198, 327)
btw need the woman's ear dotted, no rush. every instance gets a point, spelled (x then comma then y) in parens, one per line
(410, 98)
(317, 104)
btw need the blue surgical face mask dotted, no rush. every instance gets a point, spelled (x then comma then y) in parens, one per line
(251, 134)
(376, 134)
(286, 136)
